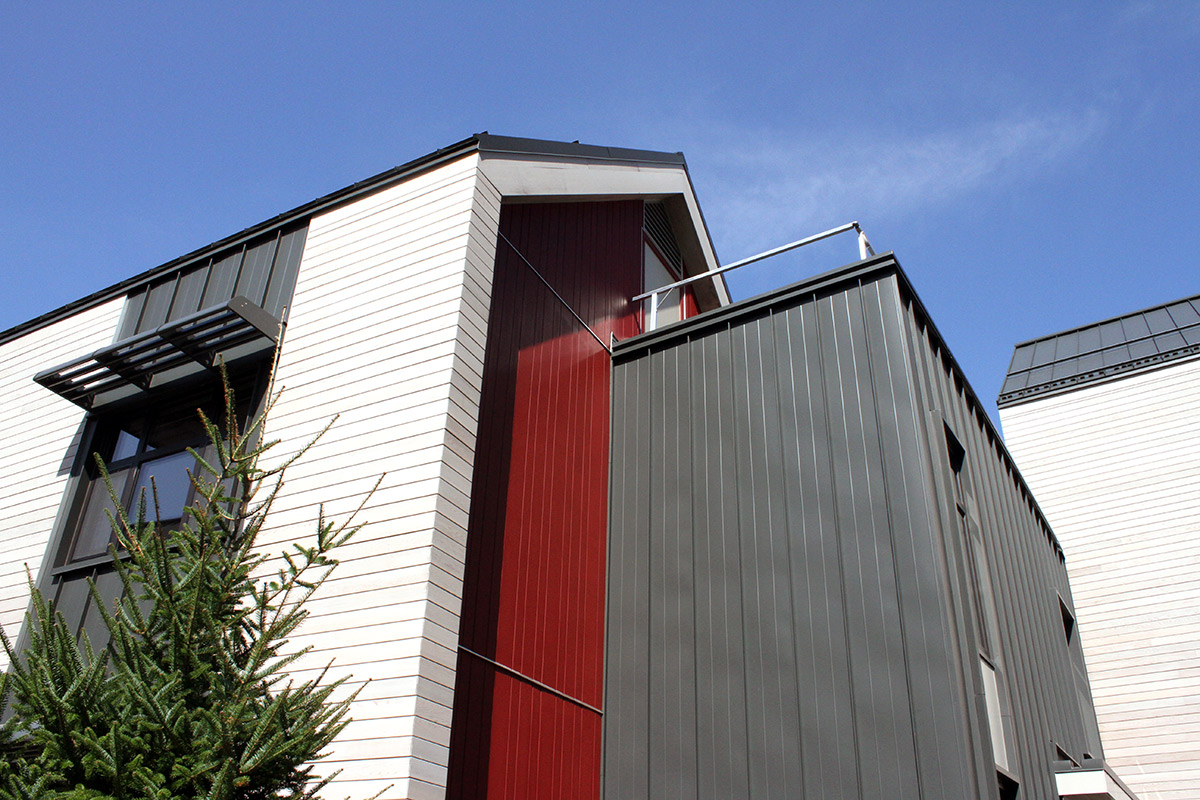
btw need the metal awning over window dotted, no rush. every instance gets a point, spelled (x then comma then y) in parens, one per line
(197, 338)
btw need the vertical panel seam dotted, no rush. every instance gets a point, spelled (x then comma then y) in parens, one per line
(891, 526)
(837, 531)
(787, 515)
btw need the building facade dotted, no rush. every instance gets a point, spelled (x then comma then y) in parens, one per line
(851, 590)
(1104, 422)
(773, 549)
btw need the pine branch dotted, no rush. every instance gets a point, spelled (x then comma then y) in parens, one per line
(190, 698)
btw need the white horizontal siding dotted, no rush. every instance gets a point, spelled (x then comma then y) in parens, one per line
(1116, 467)
(386, 331)
(41, 433)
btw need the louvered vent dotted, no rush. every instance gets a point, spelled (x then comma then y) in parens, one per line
(658, 228)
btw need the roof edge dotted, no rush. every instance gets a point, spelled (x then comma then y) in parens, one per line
(1106, 320)
(515, 145)
(1099, 377)
(354, 190)
(479, 142)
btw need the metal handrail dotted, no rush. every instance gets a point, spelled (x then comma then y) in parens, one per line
(864, 250)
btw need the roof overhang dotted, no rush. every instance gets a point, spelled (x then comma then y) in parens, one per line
(527, 170)
(532, 152)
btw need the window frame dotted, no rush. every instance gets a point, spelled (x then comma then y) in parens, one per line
(99, 432)
(105, 435)
(674, 298)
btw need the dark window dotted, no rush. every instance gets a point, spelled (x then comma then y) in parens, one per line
(146, 452)
(1068, 620)
(957, 456)
(149, 462)
(978, 573)
(1008, 786)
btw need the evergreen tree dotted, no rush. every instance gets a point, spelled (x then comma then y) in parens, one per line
(190, 698)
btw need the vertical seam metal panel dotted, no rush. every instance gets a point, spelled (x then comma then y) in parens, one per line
(898, 473)
(959, 631)
(835, 378)
(535, 587)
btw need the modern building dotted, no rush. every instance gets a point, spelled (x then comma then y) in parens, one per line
(770, 549)
(1105, 422)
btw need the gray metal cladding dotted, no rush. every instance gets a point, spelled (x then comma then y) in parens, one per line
(1083, 356)
(1048, 695)
(262, 270)
(787, 616)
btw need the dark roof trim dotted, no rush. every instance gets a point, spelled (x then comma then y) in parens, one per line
(827, 281)
(541, 147)
(1135, 342)
(880, 266)
(1115, 318)
(355, 190)
(1053, 388)
(481, 142)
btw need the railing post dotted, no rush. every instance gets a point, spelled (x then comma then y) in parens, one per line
(653, 322)
(864, 247)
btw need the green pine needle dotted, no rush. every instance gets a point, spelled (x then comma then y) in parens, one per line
(190, 698)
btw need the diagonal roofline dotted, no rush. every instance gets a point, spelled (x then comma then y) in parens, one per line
(1098, 352)
(515, 145)
(480, 142)
(1106, 320)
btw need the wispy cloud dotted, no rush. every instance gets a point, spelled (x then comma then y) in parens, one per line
(1180, 16)
(759, 186)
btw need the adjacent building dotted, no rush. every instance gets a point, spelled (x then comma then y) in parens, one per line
(768, 549)
(1104, 420)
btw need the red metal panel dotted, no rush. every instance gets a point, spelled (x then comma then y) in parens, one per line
(529, 744)
(690, 309)
(535, 573)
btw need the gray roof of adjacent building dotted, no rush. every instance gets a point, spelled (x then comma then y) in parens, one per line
(1099, 352)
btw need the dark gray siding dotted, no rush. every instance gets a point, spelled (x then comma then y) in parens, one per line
(262, 270)
(1141, 341)
(788, 608)
(1048, 696)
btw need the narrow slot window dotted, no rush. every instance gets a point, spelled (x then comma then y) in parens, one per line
(1068, 620)
(983, 604)
(1008, 786)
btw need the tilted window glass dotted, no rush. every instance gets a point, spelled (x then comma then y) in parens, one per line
(148, 461)
(146, 453)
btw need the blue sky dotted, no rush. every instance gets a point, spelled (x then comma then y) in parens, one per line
(1033, 165)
